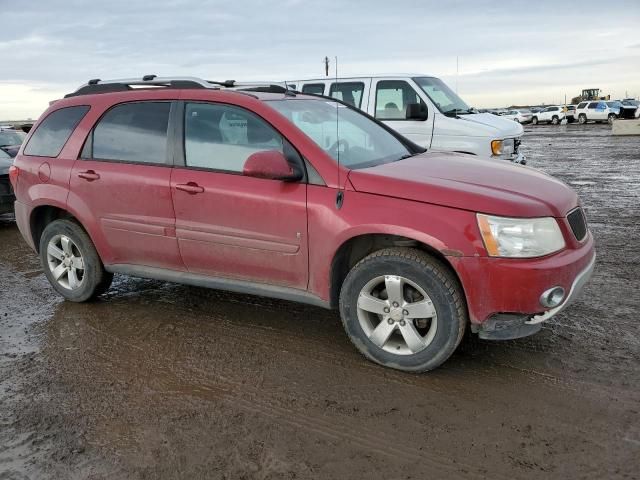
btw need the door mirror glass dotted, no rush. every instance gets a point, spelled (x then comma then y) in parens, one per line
(270, 164)
(417, 111)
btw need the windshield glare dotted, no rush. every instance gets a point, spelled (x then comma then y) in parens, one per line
(444, 98)
(354, 139)
(11, 137)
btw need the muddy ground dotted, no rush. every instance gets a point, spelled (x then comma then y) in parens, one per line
(157, 380)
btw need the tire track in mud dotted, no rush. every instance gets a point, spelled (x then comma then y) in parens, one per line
(255, 400)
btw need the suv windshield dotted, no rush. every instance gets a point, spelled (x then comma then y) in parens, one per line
(444, 98)
(342, 132)
(11, 137)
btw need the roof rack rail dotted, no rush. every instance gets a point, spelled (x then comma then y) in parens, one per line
(97, 85)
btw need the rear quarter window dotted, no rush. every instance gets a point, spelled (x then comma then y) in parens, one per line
(54, 131)
(131, 132)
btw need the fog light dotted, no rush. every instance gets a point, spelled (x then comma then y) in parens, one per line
(552, 298)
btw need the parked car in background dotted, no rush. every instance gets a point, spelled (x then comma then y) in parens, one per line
(520, 116)
(596, 111)
(6, 191)
(570, 113)
(553, 114)
(11, 137)
(426, 111)
(299, 197)
(625, 110)
(10, 141)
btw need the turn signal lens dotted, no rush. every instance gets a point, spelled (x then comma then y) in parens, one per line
(496, 147)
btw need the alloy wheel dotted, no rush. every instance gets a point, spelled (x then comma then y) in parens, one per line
(65, 262)
(397, 315)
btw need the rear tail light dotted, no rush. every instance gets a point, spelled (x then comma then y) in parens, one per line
(14, 172)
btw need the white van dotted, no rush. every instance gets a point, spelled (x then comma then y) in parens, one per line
(425, 110)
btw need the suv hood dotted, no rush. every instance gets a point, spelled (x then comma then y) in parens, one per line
(469, 183)
(503, 127)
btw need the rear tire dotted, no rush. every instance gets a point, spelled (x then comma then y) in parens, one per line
(403, 309)
(534, 120)
(71, 263)
(582, 119)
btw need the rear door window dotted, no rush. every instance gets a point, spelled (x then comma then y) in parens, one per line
(348, 92)
(313, 88)
(54, 131)
(132, 132)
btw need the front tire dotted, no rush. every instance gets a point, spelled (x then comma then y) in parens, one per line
(403, 309)
(534, 120)
(71, 263)
(555, 120)
(611, 118)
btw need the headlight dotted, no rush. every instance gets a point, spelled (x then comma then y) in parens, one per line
(520, 237)
(503, 147)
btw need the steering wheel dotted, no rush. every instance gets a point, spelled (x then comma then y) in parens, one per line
(333, 150)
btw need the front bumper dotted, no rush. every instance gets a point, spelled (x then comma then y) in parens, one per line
(519, 158)
(576, 287)
(512, 326)
(501, 288)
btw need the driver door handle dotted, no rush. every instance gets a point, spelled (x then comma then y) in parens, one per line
(191, 188)
(89, 175)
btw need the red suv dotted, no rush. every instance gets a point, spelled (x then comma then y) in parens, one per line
(266, 191)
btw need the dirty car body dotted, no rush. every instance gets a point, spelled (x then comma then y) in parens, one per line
(302, 198)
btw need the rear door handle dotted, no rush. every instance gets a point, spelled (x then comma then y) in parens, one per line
(89, 175)
(191, 188)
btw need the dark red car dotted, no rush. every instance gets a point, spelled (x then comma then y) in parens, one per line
(270, 192)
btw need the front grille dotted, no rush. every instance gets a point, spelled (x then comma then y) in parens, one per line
(578, 223)
(516, 144)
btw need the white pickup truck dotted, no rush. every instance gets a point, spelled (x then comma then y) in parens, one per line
(425, 110)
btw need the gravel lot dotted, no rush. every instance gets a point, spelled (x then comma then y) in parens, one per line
(157, 380)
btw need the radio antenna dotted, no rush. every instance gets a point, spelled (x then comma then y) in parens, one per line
(340, 195)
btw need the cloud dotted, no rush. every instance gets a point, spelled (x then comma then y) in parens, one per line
(61, 44)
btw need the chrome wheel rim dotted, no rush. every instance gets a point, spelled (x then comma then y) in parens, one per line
(65, 261)
(397, 315)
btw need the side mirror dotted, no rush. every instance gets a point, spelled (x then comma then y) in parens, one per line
(272, 165)
(417, 111)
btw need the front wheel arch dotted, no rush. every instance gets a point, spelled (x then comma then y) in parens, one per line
(354, 249)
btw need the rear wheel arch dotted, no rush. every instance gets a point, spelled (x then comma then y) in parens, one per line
(358, 247)
(42, 216)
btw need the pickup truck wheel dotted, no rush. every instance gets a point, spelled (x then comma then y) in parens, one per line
(71, 263)
(403, 309)
(534, 120)
(555, 120)
(611, 118)
(582, 119)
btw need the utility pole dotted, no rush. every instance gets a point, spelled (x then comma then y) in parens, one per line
(457, 69)
(326, 66)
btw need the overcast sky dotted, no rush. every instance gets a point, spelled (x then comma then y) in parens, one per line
(510, 52)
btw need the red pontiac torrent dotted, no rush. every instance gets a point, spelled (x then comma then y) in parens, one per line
(265, 191)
